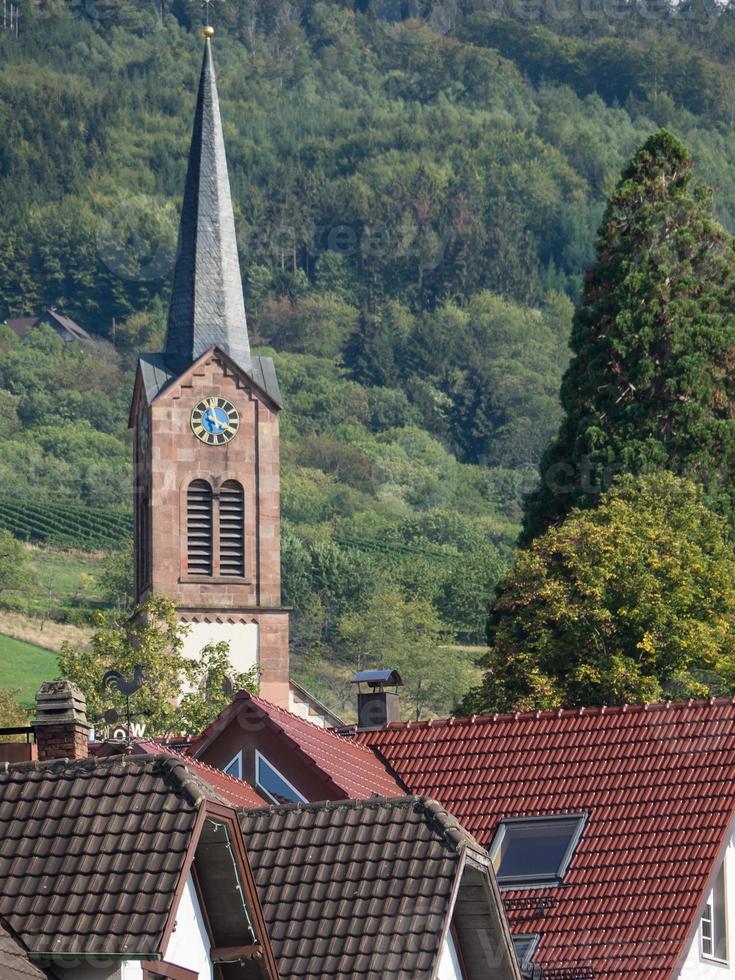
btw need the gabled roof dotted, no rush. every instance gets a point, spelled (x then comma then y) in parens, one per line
(93, 851)
(234, 792)
(14, 963)
(66, 323)
(348, 770)
(156, 375)
(367, 889)
(658, 785)
(20, 325)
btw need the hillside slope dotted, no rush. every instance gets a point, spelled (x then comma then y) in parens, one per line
(416, 204)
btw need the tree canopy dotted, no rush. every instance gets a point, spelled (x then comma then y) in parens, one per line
(631, 601)
(651, 383)
(179, 696)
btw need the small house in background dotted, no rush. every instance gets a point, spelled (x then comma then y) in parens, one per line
(64, 326)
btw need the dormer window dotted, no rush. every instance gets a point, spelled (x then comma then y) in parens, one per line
(536, 852)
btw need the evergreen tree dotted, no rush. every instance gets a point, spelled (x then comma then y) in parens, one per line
(651, 382)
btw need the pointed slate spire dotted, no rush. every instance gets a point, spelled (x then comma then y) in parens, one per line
(207, 306)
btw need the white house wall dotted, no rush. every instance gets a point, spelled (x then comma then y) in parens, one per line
(695, 966)
(189, 945)
(449, 968)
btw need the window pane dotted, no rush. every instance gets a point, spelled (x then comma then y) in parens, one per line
(719, 929)
(234, 768)
(275, 785)
(534, 849)
(525, 947)
(707, 931)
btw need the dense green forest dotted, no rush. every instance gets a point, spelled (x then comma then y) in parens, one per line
(417, 191)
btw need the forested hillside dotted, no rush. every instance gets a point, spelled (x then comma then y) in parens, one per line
(417, 200)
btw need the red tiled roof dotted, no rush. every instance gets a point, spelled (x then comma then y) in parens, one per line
(235, 792)
(658, 784)
(352, 769)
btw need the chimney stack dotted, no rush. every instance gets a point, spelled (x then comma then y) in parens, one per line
(376, 707)
(61, 725)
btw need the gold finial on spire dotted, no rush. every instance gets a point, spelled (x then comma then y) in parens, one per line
(208, 31)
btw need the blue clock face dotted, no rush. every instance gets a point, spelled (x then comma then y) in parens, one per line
(215, 421)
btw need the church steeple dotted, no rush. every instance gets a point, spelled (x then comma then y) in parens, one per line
(207, 306)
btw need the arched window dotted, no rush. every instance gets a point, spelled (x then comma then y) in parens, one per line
(199, 528)
(231, 529)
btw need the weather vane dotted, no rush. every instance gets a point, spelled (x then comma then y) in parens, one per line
(127, 686)
(207, 4)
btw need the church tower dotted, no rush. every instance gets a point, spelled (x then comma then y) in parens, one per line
(206, 427)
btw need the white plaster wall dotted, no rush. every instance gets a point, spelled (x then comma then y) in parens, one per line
(297, 706)
(242, 637)
(189, 945)
(132, 971)
(697, 968)
(449, 968)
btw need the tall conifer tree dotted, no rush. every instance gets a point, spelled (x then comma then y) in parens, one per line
(652, 379)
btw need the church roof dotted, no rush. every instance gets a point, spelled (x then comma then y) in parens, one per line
(157, 374)
(207, 306)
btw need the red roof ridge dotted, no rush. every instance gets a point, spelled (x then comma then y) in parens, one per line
(323, 731)
(536, 714)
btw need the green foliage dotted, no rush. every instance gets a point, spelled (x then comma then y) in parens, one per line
(12, 714)
(416, 203)
(15, 566)
(651, 383)
(152, 638)
(116, 578)
(406, 635)
(65, 525)
(630, 602)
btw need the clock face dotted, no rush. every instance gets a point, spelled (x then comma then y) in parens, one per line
(215, 421)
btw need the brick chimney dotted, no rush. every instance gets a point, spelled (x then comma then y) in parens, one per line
(61, 725)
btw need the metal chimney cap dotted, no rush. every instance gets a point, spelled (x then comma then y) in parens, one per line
(60, 702)
(378, 678)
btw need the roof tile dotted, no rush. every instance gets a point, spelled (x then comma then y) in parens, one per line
(94, 863)
(658, 784)
(370, 900)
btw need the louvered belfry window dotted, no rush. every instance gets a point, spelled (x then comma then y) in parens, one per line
(199, 527)
(232, 529)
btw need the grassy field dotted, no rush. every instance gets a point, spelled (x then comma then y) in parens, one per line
(24, 667)
(65, 586)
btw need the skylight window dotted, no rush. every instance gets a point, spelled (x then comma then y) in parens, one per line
(275, 786)
(525, 947)
(535, 851)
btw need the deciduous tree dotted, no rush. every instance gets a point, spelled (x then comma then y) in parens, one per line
(631, 601)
